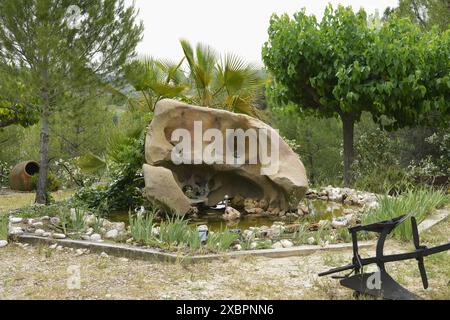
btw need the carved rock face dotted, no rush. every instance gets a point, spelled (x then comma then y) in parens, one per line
(199, 182)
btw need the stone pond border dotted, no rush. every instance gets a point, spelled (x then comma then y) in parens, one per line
(132, 252)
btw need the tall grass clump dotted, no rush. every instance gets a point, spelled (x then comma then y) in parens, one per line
(141, 227)
(221, 241)
(420, 202)
(4, 227)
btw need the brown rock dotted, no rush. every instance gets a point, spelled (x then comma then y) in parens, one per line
(160, 185)
(209, 183)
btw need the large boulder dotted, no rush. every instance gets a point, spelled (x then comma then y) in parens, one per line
(199, 182)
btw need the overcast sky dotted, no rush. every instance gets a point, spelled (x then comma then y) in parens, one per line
(238, 26)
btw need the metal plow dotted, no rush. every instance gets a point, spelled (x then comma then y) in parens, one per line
(380, 284)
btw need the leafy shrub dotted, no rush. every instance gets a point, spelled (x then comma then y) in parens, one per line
(421, 202)
(5, 170)
(391, 179)
(53, 184)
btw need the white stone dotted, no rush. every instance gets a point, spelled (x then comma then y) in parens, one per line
(123, 260)
(38, 224)
(112, 234)
(104, 255)
(53, 246)
(238, 247)
(79, 252)
(253, 245)
(95, 237)
(60, 248)
(3, 243)
(15, 220)
(46, 234)
(286, 243)
(59, 236)
(231, 214)
(85, 237)
(277, 245)
(119, 226)
(311, 240)
(55, 220)
(89, 231)
(39, 232)
(15, 231)
(45, 218)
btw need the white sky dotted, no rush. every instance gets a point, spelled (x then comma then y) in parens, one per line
(238, 26)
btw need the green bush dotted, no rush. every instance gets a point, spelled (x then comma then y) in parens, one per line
(421, 202)
(390, 179)
(53, 183)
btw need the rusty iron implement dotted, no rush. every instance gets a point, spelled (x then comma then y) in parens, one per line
(380, 284)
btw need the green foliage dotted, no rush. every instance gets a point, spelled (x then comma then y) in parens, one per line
(57, 63)
(343, 65)
(141, 227)
(221, 240)
(421, 202)
(426, 13)
(317, 142)
(71, 222)
(228, 82)
(53, 184)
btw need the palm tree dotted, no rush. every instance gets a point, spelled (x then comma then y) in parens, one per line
(156, 79)
(225, 82)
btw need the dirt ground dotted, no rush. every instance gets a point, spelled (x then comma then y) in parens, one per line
(44, 273)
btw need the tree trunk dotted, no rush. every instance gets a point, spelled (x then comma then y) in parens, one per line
(348, 123)
(41, 192)
(309, 147)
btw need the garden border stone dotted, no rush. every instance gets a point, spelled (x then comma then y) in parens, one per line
(132, 252)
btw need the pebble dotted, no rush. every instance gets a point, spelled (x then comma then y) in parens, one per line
(286, 243)
(311, 240)
(104, 255)
(112, 234)
(277, 245)
(46, 234)
(123, 260)
(15, 220)
(15, 231)
(3, 243)
(55, 220)
(79, 252)
(53, 246)
(59, 236)
(38, 224)
(95, 237)
(59, 248)
(39, 232)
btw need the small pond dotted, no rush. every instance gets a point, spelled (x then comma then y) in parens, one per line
(318, 210)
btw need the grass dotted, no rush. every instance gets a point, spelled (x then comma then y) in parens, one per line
(72, 222)
(14, 200)
(421, 202)
(176, 233)
(3, 227)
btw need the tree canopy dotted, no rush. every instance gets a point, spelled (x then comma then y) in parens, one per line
(63, 52)
(342, 66)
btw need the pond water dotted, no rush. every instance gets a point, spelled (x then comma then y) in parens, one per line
(318, 210)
